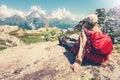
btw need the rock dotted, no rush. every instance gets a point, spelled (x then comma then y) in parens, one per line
(36, 62)
(10, 40)
(20, 33)
(17, 71)
(47, 48)
(7, 29)
(118, 62)
(1, 77)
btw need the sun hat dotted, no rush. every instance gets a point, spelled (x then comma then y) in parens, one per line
(92, 18)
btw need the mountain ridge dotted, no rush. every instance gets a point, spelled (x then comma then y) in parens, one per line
(37, 17)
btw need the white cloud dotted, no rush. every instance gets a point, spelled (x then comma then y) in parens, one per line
(62, 14)
(116, 2)
(36, 11)
(7, 12)
(37, 8)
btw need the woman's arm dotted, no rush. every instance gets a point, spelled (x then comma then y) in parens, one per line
(82, 43)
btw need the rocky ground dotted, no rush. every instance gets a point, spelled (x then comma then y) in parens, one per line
(50, 61)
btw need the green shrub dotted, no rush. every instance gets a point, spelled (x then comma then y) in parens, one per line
(2, 42)
(31, 38)
(2, 48)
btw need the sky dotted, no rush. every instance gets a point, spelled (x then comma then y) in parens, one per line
(74, 6)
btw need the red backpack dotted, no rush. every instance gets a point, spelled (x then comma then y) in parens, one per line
(101, 43)
(100, 46)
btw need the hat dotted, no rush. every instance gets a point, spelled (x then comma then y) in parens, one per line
(91, 18)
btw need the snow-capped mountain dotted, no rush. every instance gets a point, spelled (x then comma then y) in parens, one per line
(37, 18)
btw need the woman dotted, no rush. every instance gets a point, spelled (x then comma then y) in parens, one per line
(95, 46)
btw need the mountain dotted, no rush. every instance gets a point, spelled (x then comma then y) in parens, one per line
(115, 13)
(109, 20)
(65, 23)
(37, 18)
(61, 18)
(15, 20)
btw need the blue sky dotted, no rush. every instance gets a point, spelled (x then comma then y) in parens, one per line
(74, 6)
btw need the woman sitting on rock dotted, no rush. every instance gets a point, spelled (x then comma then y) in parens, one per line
(94, 45)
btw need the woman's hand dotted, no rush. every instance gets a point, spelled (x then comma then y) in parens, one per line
(75, 67)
